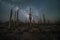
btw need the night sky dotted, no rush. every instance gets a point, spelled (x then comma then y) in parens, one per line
(51, 9)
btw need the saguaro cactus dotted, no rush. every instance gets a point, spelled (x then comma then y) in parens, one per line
(44, 21)
(30, 17)
(17, 18)
(10, 18)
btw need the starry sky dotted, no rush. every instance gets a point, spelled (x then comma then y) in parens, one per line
(51, 9)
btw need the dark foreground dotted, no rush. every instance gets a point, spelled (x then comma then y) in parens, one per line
(25, 33)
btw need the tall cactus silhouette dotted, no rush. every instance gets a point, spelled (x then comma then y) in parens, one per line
(10, 19)
(30, 17)
(17, 18)
(44, 21)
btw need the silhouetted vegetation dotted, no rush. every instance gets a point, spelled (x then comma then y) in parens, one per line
(17, 30)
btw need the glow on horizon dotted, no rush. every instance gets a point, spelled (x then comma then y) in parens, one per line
(25, 13)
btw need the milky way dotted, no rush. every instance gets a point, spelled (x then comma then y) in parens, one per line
(51, 9)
